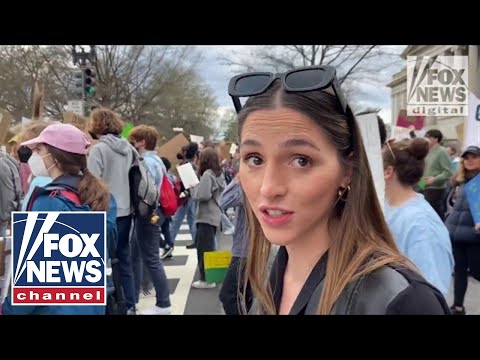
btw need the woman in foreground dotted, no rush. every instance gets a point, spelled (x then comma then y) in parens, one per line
(309, 190)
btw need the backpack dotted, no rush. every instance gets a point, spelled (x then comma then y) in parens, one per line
(168, 198)
(143, 192)
(116, 302)
(10, 189)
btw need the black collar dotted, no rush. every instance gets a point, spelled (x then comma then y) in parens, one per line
(276, 281)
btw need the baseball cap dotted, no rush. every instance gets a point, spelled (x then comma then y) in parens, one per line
(471, 150)
(65, 137)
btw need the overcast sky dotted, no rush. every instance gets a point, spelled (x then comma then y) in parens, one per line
(217, 75)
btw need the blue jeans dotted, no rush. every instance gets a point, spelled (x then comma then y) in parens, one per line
(146, 250)
(123, 253)
(189, 210)
(167, 238)
(3, 228)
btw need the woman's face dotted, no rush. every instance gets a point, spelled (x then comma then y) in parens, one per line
(471, 162)
(290, 173)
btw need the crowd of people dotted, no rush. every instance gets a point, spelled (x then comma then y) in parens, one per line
(310, 235)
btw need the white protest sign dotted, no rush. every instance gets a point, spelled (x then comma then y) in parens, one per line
(472, 126)
(195, 138)
(187, 175)
(76, 106)
(233, 149)
(368, 125)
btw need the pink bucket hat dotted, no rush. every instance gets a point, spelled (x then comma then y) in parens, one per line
(65, 137)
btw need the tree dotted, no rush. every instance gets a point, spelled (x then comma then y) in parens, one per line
(229, 123)
(156, 85)
(354, 63)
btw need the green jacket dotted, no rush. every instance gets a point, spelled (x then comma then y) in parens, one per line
(438, 165)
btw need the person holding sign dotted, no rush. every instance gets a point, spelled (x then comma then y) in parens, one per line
(463, 231)
(418, 231)
(209, 214)
(309, 189)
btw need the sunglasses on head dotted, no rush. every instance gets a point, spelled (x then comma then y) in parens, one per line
(303, 79)
(298, 80)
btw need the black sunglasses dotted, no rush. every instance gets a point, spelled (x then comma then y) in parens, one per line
(298, 80)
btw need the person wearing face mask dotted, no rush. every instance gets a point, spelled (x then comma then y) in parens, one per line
(24, 154)
(60, 153)
(110, 159)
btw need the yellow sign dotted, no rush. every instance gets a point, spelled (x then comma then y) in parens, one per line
(217, 259)
(5, 119)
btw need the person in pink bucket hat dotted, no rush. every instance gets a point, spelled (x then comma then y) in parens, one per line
(59, 152)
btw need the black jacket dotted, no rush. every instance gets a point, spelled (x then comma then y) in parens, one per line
(386, 291)
(460, 221)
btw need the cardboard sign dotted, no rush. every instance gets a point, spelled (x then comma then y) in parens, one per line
(472, 125)
(76, 120)
(472, 190)
(5, 119)
(171, 148)
(224, 150)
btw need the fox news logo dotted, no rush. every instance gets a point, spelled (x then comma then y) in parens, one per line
(59, 258)
(437, 85)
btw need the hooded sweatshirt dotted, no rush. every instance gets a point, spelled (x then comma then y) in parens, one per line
(110, 159)
(208, 194)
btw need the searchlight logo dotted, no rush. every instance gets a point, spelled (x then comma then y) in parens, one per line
(59, 258)
(437, 85)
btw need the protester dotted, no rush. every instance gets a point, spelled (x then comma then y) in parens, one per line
(166, 245)
(452, 152)
(306, 177)
(59, 152)
(463, 231)
(189, 208)
(230, 294)
(419, 233)
(110, 159)
(438, 170)
(146, 238)
(10, 190)
(209, 213)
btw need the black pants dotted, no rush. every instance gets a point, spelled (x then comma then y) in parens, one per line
(204, 241)
(167, 238)
(467, 257)
(436, 198)
(232, 288)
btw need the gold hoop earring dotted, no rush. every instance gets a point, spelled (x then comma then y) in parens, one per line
(343, 193)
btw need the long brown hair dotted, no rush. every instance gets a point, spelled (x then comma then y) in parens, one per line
(363, 242)
(209, 160)
(463, 174)
(91, 190)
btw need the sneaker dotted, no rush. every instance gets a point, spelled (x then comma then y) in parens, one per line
(157, 310)
(191, 246)
(131, 311)
(229, 231)
(167, 253)
(203, 285)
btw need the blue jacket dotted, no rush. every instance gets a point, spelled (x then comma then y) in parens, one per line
(45, 202)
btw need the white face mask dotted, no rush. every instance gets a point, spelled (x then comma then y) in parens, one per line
(37, 166)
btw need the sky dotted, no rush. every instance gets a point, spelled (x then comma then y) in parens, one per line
(217, 74)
